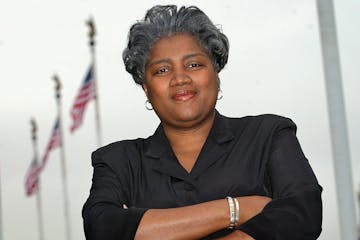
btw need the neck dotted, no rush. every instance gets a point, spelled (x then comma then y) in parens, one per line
(190, 138)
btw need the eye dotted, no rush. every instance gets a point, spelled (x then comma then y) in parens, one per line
(194, 65)
(161, 70)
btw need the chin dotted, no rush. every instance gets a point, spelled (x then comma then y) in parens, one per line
(187, 117)
(190, 117)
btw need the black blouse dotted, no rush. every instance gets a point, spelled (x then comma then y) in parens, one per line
(255, 155)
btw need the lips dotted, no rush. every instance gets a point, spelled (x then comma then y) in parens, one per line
(183, 95)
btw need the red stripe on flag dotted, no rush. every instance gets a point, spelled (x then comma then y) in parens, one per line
(85, 94)
(31, 178)
(53, 143)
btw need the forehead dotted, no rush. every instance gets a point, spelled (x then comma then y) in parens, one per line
(175, 46)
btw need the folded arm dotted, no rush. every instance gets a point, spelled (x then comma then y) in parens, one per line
(105, 217)
(196, 221)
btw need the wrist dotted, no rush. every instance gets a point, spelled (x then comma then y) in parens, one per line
(234, 212)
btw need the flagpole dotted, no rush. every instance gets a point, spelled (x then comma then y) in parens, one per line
(337, 119)
(62, 158)
(92, 33)
(1, 222)
(34, 129)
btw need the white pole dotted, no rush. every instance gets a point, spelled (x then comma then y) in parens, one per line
(92, 33)
(358, 198)
(38, 191)
(337, 118)
(63, 162)
(1, 222)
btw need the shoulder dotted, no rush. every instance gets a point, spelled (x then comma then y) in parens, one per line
(118, 147)
(119, 153)
(262, 124)
(272, 121)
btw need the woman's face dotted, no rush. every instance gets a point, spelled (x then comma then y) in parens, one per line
(181, 82)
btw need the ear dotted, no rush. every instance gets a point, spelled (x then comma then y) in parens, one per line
(144, 87)
(217, 80)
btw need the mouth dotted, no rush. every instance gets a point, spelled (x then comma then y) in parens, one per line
(183, 95)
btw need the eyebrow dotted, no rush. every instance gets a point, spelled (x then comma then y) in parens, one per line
(164, 60)
(194, 55)
(167, 60)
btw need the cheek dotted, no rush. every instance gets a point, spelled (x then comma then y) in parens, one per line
(156, 92)
(211, 84)
(205, 78)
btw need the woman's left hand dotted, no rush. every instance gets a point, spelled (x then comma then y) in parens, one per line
(236, 235)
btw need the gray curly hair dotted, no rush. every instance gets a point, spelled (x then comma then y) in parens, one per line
(167, 20)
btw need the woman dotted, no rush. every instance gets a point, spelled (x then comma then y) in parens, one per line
(201, 175)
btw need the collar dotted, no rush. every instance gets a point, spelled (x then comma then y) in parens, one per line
(159, 149)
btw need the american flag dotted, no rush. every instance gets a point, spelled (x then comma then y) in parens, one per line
(31, 178)
(85, 94)
(32, 174)
(54, 142)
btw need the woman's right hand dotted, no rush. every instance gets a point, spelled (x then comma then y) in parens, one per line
(236, 235)
(250, 206)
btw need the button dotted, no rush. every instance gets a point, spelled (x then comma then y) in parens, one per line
(188, 187)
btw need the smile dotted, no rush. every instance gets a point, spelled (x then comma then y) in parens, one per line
(183, 95)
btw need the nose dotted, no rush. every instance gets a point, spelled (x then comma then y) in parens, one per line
(180, 78)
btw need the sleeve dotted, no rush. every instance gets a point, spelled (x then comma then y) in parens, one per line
(296, 209)
(103, 213)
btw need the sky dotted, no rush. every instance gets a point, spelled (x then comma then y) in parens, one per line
(275, 66)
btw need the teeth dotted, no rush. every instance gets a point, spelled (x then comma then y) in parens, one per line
(185, 92)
